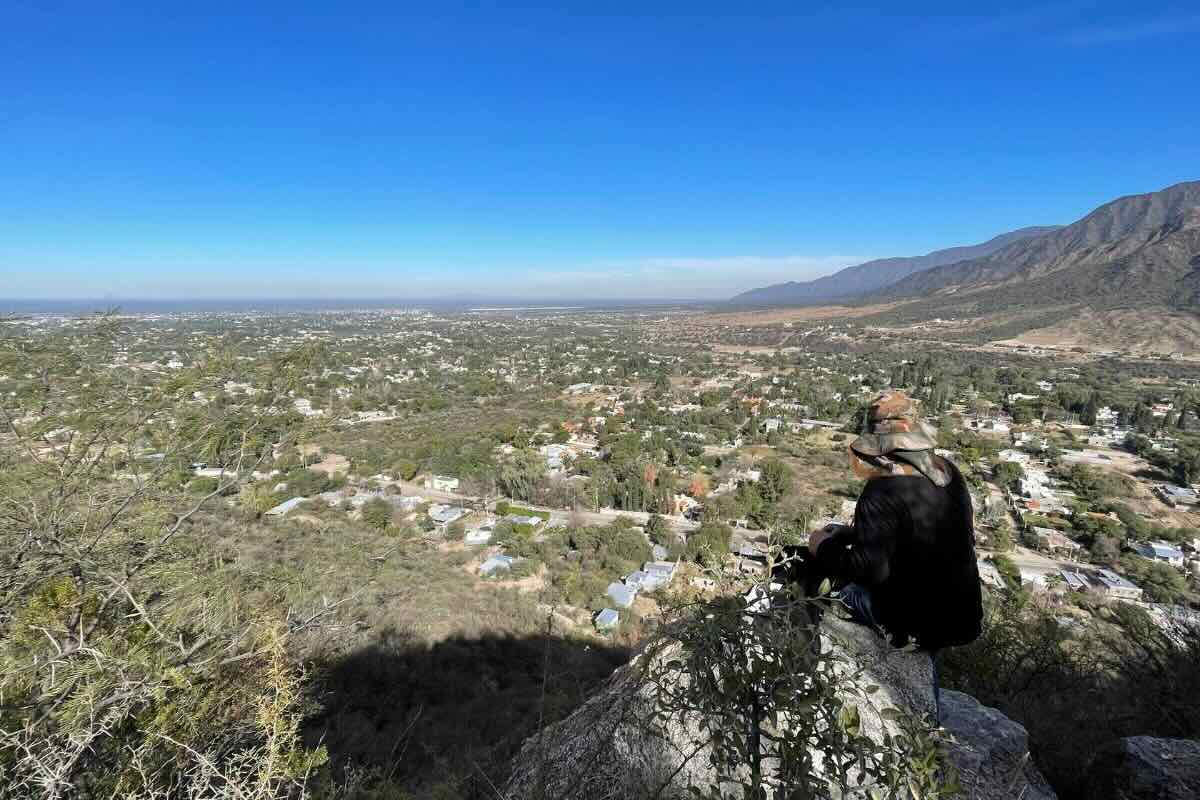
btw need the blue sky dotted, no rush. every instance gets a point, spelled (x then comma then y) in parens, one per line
(561, 150)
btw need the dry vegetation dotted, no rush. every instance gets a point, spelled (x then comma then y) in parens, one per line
(1152, 332)
(776, 316)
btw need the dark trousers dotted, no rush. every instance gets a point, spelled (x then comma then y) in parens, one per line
(861, 604)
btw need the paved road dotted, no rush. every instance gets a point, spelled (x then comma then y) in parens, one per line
(1032, 561)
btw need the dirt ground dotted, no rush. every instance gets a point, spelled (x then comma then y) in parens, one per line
(1143, 500)
(532, 583)
(332, 465)
(777, 316)
(1152, 332)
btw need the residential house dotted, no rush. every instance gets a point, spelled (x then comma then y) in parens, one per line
(1053, 541)
(285, 507)
(482, 534)
(1177, 495)
(638, 581)
(607, 619)
(621, 595)
(659, 573)
(683, 504)
(495, 564)
(1103, 581)
(442, 483)
(444, 515)
(751, 558)
(409, 502)
(1160, 551)
(524, 519)
(748, 475)
(1115, 586)
(556, 456)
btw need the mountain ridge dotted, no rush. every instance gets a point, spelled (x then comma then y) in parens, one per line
(876, 274)
(1108, 233)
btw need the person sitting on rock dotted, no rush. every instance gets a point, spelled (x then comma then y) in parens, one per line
(907, 564)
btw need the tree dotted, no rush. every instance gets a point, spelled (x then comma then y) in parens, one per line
(121, 676)
(406, 469)
(1002, 537)
(1161, 582)
(377, 513)
(709, 545)
(659, 530)
(1009, 572)
(1185, 467)
(1008, 474)
(775, 480)
(1105, 550)
(520, 475)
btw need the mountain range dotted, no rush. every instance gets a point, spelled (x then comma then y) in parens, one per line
(1137, 248)
(871, 276)
(1134, 261)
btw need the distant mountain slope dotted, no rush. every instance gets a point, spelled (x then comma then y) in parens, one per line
(1112, 232)
(874, 275)
(1146, 269)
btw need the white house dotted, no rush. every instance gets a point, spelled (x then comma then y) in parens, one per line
(480, 535)
(441, 483)
(621, 595)
(495, 564)
(607, 619)
(284, 507)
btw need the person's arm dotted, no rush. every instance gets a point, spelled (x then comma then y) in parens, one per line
(862, 554)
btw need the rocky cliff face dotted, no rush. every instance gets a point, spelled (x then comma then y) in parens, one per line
(606, 749)
(1145, 768)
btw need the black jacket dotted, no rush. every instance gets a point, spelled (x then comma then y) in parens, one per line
(913, 545)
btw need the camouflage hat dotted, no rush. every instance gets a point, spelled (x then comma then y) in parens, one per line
(893, 424)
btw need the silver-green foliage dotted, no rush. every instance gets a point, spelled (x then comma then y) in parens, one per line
(777, 713)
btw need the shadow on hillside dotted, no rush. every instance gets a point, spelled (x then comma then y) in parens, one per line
(1151, 474)
(453, 713)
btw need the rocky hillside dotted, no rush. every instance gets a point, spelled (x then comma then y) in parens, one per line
(874, 275)
(1117, 247)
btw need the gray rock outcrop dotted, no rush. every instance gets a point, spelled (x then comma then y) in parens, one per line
(606, 749)
(990, 751)
(1145, 768)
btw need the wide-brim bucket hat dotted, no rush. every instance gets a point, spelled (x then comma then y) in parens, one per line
(893, 424)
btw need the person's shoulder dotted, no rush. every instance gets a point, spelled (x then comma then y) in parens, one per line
(885, 485)
(886, 489)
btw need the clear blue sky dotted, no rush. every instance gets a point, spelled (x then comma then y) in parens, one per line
(691, 150)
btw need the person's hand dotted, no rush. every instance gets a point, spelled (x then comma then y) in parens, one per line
(816, 537)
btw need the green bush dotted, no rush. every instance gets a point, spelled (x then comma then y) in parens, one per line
(203, 485)
(1078, 686)
(709, 545)
(377, 513)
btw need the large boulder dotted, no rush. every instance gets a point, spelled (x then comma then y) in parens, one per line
(607, 749)
(1145, 768)
(990, 751)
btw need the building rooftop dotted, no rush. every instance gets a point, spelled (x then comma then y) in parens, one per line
(607, 618)
(285, 507)
(495, 563)
(621, 594)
